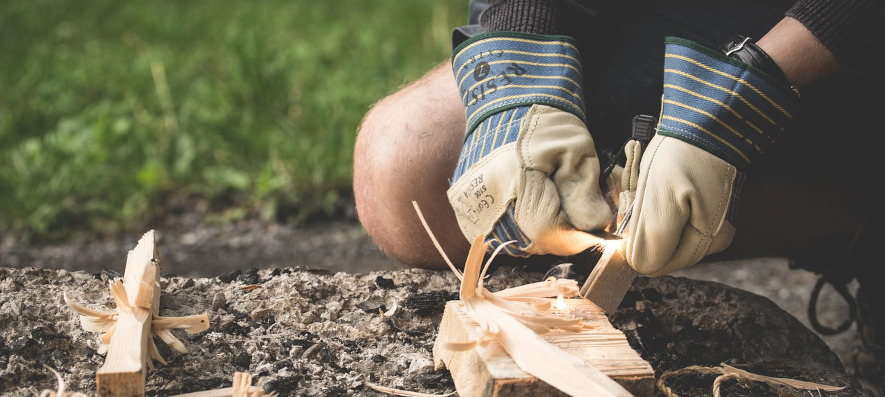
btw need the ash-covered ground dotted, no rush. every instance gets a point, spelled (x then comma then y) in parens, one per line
(303, 332)
(310, 330)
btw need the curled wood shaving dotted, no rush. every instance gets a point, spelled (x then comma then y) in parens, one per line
(87, 311)
(106, 337)
(92, 320)
(481, 340)
(60, 392)
(508, 317)
(118, 292)
(744, 378)
(190, 324)
(242, 387)
(459, 346)
(389, 312)
(170, 339)
(405, 393)
(153, 353)
(100, 321)
(551, 287)
(436, 243)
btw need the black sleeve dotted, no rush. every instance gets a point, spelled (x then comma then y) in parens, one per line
(560, 17)
(848, 28)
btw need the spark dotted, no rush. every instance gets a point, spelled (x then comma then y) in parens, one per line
(610, 246)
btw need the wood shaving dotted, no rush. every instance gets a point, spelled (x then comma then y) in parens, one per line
(726, 372)
(60, 392)
(242, 387)
(509, 317)
(405, 393)
(389, 312)
(101, 321)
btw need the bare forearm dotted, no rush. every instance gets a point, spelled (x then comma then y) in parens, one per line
(818, 38)
(798, 53)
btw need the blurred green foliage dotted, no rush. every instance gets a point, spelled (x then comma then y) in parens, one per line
(110, 110)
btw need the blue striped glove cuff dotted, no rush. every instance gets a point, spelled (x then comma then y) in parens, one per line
(720, 104)
(495, 72)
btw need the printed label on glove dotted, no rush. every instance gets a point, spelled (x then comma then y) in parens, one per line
(481, 195)
(477, 193)
(495, 72)
(482, 87)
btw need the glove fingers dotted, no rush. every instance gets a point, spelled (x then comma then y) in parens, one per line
(550, 173)
(540, 216)
(679, 216)
(654, 260)
(585, 208)
(567, 242)
(565, 151)
(614, 180)
(630, 176)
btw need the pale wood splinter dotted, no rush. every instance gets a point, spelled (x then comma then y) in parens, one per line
(129, 330)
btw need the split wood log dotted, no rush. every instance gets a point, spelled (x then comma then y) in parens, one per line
(129, 330)
(124, 371)
(490, 371)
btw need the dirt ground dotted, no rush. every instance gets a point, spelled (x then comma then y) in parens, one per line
(200, 251)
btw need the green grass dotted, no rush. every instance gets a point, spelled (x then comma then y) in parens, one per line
(110, 111)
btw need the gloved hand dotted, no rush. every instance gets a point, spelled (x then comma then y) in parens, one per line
(528, 169)
(718, 114)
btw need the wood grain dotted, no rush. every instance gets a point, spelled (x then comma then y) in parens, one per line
(124, 369)
(490, 371)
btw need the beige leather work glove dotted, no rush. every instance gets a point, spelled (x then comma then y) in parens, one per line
(718, 114)
(528, 169)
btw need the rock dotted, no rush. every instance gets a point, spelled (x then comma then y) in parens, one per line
(242, 361)
(420, 365)
(385, 283)
(371, 305)
(219, 301)
(230, 276)
(429, 303)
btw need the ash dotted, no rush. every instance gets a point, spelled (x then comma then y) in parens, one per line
(307, 332)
